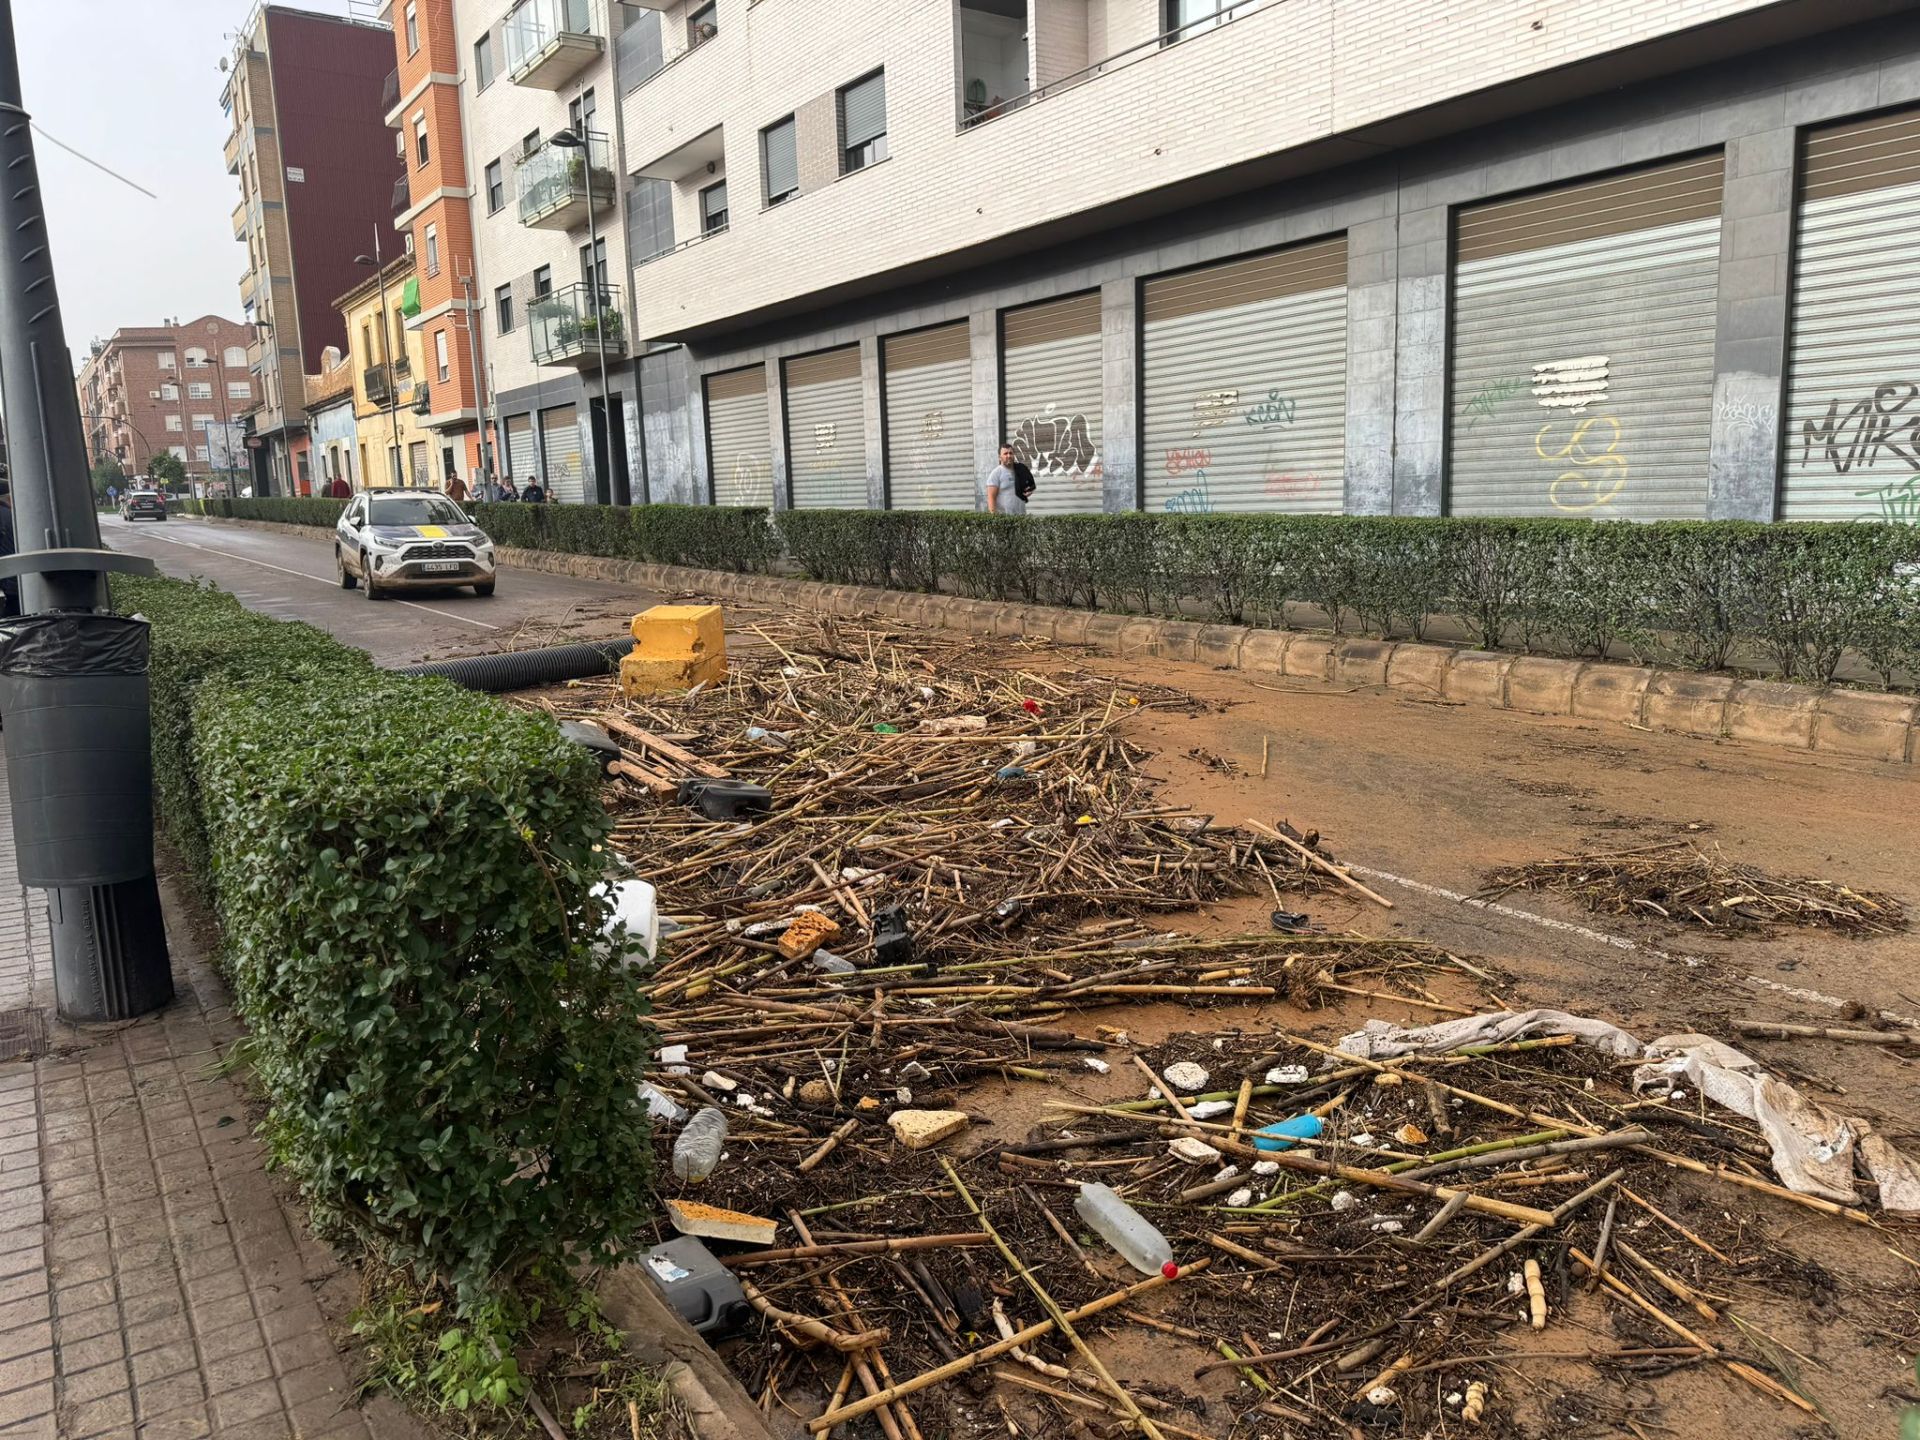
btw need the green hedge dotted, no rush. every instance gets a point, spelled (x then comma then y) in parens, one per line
(280, 509)
(402, 871)
(1695, 594)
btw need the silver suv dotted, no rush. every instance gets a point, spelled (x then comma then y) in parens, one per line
(388, 540)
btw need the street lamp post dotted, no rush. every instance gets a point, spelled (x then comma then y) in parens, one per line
(569, 140)
(386, 346)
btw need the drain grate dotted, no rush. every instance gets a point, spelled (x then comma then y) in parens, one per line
(23, 1034)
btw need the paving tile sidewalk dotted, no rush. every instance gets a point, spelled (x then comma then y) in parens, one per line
(151, 1284)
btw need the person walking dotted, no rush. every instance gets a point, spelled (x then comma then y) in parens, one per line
(456, 489)
(1007, 491)
(535, 493)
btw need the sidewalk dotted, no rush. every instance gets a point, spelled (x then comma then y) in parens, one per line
(151, 1284)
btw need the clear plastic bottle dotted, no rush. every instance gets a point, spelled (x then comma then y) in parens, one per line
(696, 1154)
(1122, 1227)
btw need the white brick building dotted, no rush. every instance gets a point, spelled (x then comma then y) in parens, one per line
(1381, 256)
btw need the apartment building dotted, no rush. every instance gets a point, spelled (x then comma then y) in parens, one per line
(390, 400)
(435, 202)
(178, 388)
(317, 174)
(1647, 259)
(541, 120)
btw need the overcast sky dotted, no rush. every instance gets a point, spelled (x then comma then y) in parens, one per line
(135, 84)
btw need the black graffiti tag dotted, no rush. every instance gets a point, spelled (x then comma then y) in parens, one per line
(1055, 446)
(1879, 422)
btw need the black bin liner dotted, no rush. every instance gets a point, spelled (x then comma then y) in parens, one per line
(73, 696)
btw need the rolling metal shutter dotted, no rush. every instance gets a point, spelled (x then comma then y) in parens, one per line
(1051, 381)
(826, 431)
(1244, 383)
(560, 455)
(417, 464)
(739, 439)
(1852, 429)
(930, 460)
(863, 111)
(781, 156)
(522, 456)
(1583, 348)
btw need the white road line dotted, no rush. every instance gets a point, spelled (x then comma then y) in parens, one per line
(331, 584)
(1600, 937)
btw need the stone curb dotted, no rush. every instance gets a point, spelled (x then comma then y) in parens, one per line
(1863, 723)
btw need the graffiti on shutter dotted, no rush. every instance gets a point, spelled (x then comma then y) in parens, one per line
(826, 430)
(740, 449)
(929, 408)
(1051, 374)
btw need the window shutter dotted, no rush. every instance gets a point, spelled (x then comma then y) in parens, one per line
(863, 110)
(783, 161)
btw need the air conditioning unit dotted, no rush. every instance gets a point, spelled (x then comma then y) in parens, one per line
(153, 394)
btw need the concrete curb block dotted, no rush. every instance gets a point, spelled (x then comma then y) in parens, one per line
(1861, 723)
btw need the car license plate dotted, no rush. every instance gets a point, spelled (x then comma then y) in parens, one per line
(440, 567)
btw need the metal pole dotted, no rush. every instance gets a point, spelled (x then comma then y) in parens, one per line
(386, 352)
(77, 740)
(479, 397)
(616, 483)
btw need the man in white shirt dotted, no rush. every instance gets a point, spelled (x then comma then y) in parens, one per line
(1002, 497)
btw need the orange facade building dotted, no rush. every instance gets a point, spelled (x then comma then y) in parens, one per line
(443, 301)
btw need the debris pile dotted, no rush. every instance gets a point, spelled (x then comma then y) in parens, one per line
(1679, 882)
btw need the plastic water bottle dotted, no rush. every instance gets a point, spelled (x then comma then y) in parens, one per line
(696, 1153)
(1281, 1135)
(1124, 1228)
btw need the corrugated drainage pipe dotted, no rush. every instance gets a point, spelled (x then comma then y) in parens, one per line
(524, 669)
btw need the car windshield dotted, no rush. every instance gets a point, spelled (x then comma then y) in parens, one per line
(414, 510)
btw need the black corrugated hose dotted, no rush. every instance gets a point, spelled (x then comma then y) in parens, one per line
(524, 669)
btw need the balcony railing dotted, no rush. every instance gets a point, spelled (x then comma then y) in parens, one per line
(548, 42)
(401, 195)
(390, 91)
(379, 382)
(557, 185)
(973, 114)
(571, 325)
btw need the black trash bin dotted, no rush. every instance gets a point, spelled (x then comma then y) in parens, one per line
(73, 695)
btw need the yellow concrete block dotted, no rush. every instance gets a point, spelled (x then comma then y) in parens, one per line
(675, 647)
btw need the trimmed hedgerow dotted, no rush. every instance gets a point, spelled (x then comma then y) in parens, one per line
(403, 872)
(1697, 594)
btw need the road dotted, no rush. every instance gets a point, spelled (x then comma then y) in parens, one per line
(293, 578)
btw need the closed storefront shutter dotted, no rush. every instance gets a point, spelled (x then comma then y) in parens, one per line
(522, 458)
(826, 431)
(560, 457)
(1051, 378)
(739, 447)
(930, 462)
(417, 464)
(1244, 384)
(1852, 431)
(1583, 348)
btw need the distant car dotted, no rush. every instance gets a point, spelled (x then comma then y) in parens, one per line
(390, 540)
(143, 504)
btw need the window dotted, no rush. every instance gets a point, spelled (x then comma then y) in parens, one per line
(779, 161)
(173, 423)
(713, 209)
(863, 123)
(433, 249)
(440, 353)
(703, 23)
(543, 281)
(503, 310)
(239, 390)
(235, 357)
(1190, 17)
(483, 62)
(200, 453)
(196, 358)
(166, 359)
(593, 265)
(200, 390)
(413, 28)
(496, 188)
(203, 422)
(400, 341)
(580, 112)
(529, 142)
(179, 452)
(169, 391)
(414, 509)
(420, 148)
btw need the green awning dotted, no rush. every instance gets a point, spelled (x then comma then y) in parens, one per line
(410, 297)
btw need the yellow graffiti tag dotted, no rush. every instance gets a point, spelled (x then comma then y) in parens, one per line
(1597, 475)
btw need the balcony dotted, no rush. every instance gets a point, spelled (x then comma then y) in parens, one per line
(422, 399)
(557, 185)
(402, 198)
(548, 42)
(247, 290)
(240, 221)
(233, 148)
(380, 384)
(566, 328)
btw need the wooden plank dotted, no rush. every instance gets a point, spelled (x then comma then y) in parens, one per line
(662, 747)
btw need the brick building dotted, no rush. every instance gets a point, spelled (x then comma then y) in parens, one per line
(317, 174)
(152, 388)
(1647, 259)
